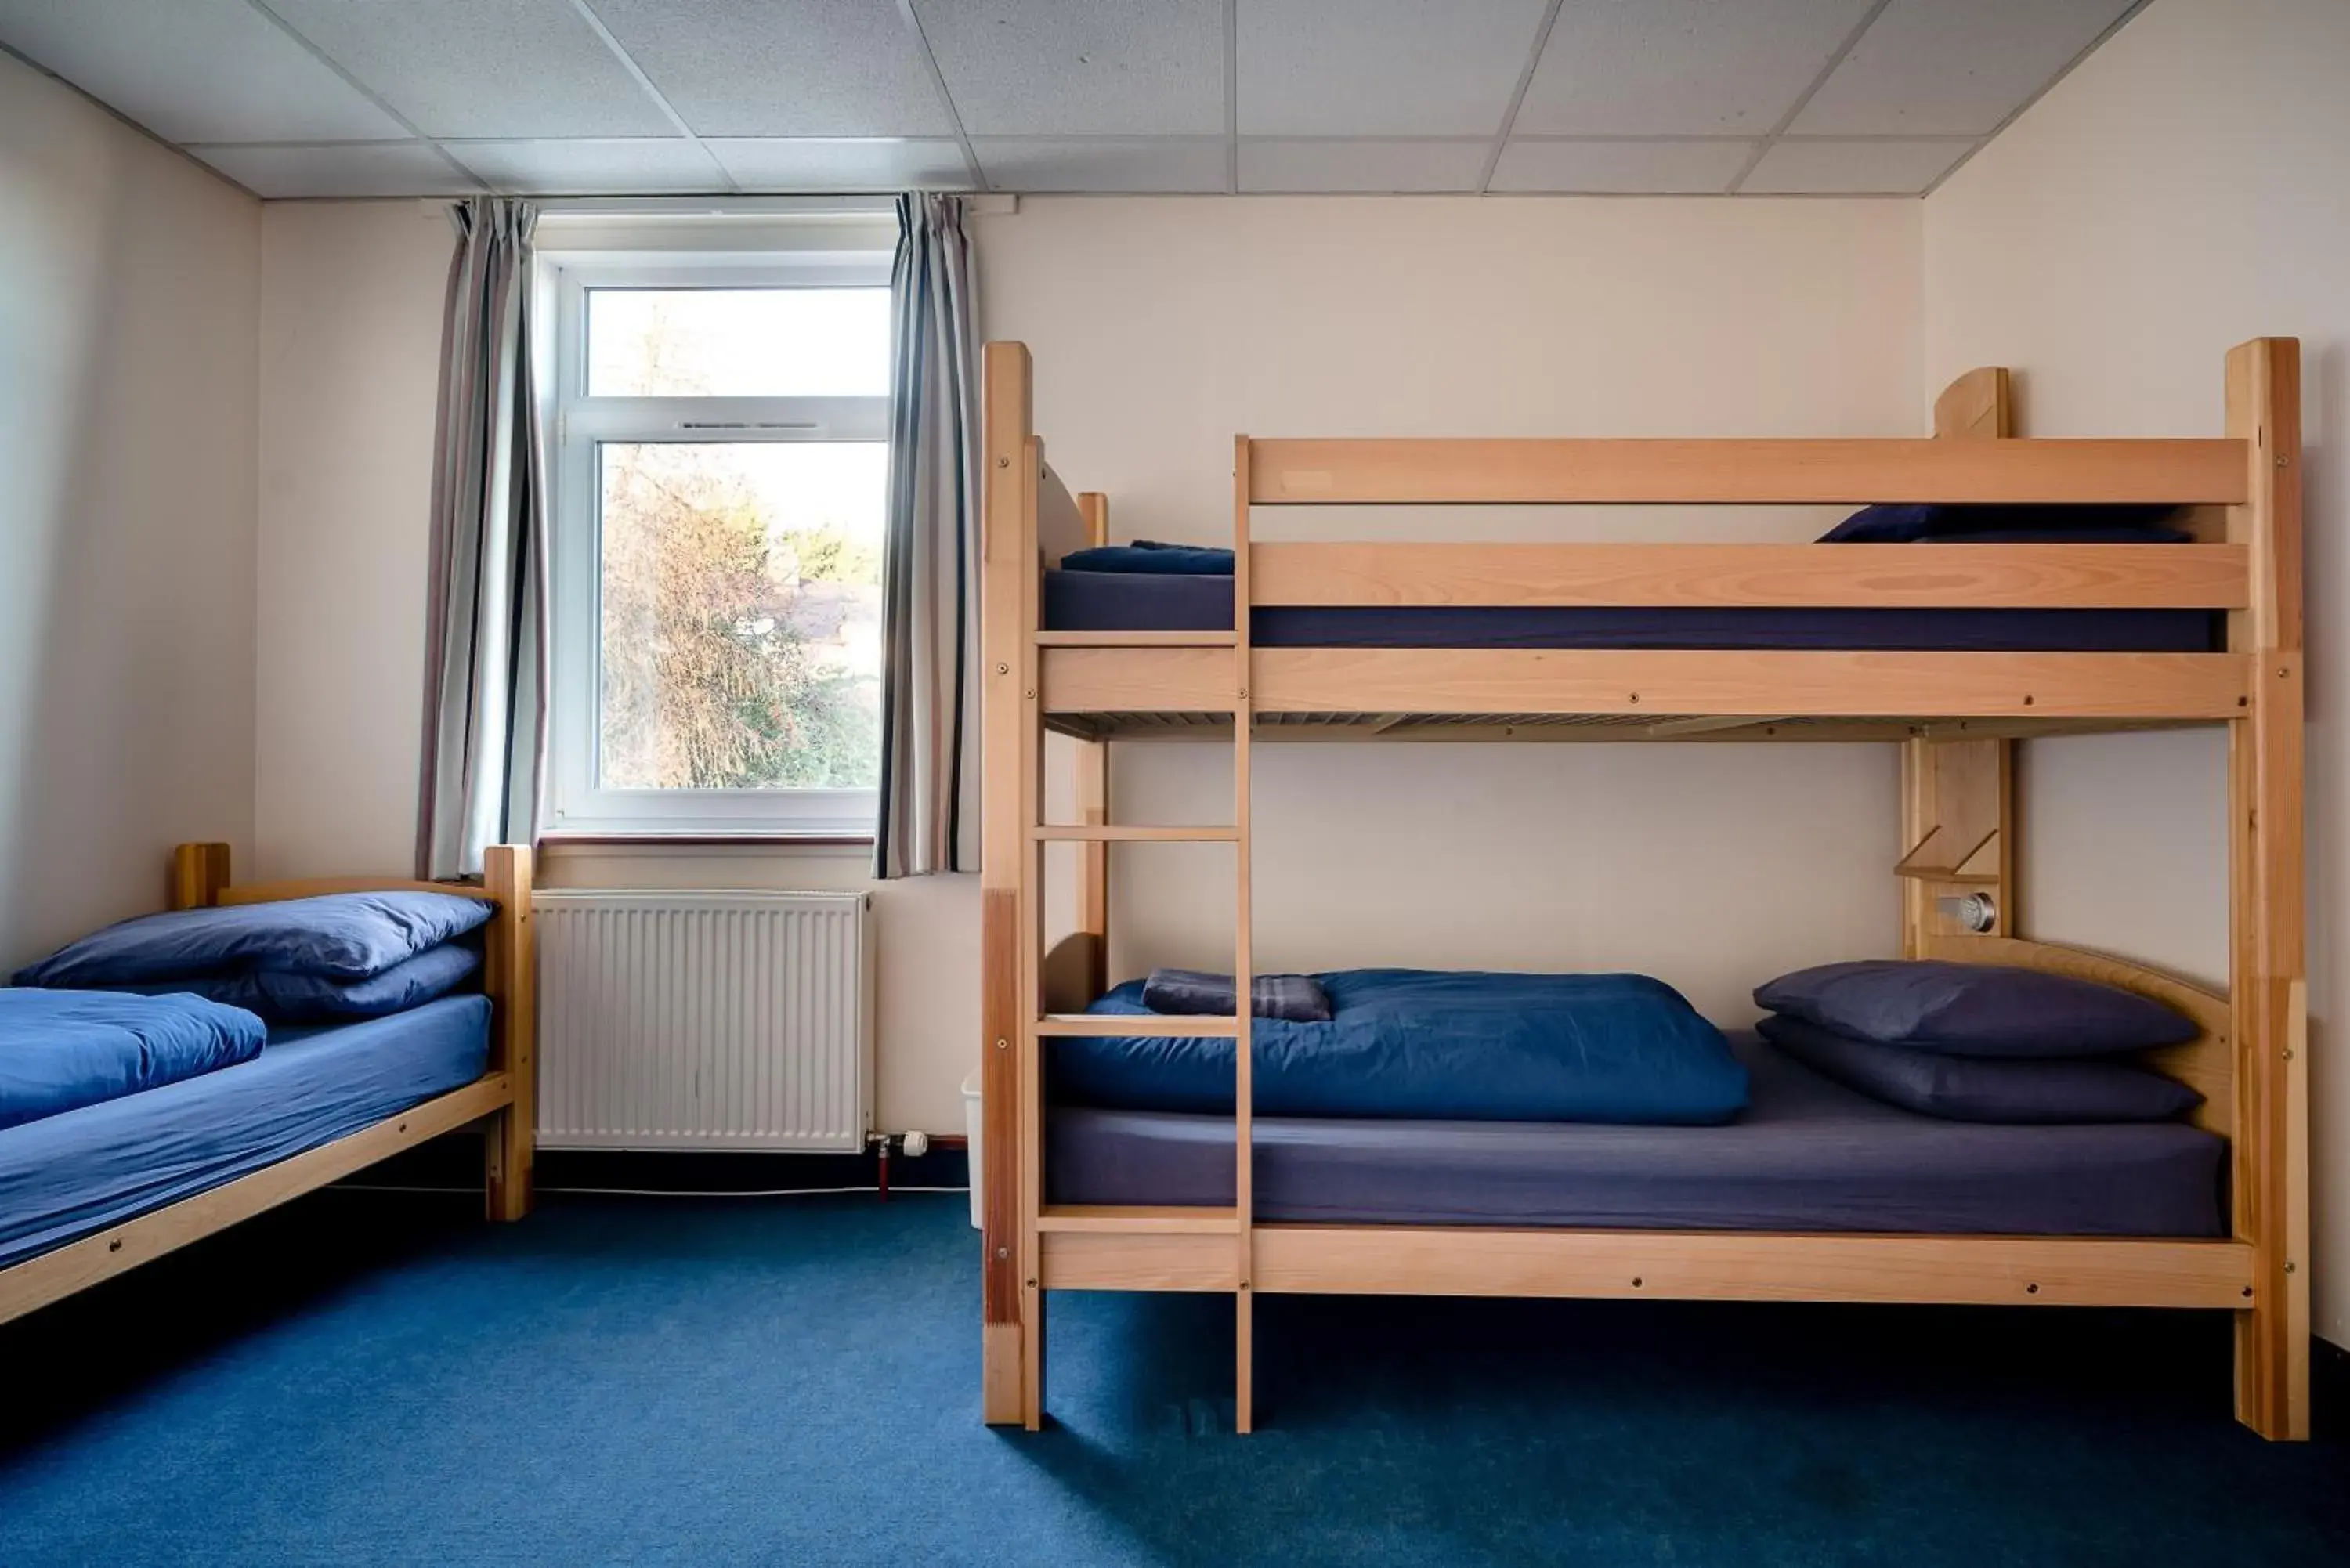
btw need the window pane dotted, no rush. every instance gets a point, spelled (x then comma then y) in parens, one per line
(738, 342)
(740, 618)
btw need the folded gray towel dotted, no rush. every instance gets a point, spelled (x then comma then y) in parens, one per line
(1298, 998)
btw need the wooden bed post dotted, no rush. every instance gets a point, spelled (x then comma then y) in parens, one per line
(1243, 963)
(2266, 961)
(1012, 1336)
(511, 978)
(1092, 767)
(199, 872)
(1958, 796)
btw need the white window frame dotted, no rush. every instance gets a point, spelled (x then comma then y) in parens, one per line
(576, 423)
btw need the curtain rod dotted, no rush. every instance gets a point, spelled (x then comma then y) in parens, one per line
(857, 206)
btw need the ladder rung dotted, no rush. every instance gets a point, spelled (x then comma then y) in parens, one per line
(1114, 1025)
(1136, 639)
(1143, 1218)
(1107, 833)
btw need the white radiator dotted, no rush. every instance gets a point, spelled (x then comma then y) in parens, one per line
(704, 1020)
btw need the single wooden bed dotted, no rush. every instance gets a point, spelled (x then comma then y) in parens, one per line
(1955, 716)
(500, 1101)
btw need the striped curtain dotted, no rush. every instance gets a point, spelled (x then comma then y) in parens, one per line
(485, 656)
(928, 817)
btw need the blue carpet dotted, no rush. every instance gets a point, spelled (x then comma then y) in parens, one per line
(372, 1379)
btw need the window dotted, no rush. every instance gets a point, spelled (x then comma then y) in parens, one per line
(720, 460)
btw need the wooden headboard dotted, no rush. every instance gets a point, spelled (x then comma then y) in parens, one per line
(2206, 1064)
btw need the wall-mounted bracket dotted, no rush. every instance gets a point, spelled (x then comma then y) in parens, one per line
(1941, 856)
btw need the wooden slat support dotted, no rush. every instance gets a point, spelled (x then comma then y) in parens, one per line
(1668, 1265)
(1958, 796)
(1129, 832)
(1130, 1025)
(1010, 562)
(199, 873)
(1947, 577)
(510, 970)
(1742, 472)
(1243, 957)
(2267, 973)
(1669, 681)
(1091, 780)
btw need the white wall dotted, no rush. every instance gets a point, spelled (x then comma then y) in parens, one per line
(350, 363)
(127, 304)
(2180, 191)
(1162, 327)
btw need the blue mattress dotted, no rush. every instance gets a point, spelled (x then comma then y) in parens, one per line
(1132, 601)
(67, 1175)
(1808, 1154)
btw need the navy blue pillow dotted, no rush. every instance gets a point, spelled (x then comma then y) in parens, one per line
(1983, 1089)
(341, 936)
(283, 996)
(1147, 556)
(1299, 998)
(1974, 1009)
(1935, 522)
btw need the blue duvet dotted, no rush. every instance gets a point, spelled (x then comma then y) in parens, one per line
(1436, 1045)
(62, 1050)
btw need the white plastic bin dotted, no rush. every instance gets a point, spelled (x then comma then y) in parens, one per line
(971, 1122)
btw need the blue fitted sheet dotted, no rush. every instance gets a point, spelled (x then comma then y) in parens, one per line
(1808, 1154)
(67, 1175)
(1126, 601)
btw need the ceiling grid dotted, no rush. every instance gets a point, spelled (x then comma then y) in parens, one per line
(1500, 98)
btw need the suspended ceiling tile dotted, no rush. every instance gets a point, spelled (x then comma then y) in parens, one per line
(1953, 67)
(348, 169)
(1081, 67)
(1878, 168)
(828, 68)
(867, 163)
(517, 69)
(1681, 68)
(193, 70)
(1620, 168)
(1106, 164)
(1362, 165)
(591, 168)
(1381, 67)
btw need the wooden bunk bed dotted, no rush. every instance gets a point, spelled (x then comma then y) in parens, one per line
(1954, 716)
(501, 1101)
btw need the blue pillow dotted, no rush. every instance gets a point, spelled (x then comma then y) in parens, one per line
(1983, 1089)
(62, 1050)
(283, 996)
(1296, 997)
(1915, 522)
(1147, 556)
(341, 936)
(1974, 1009)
